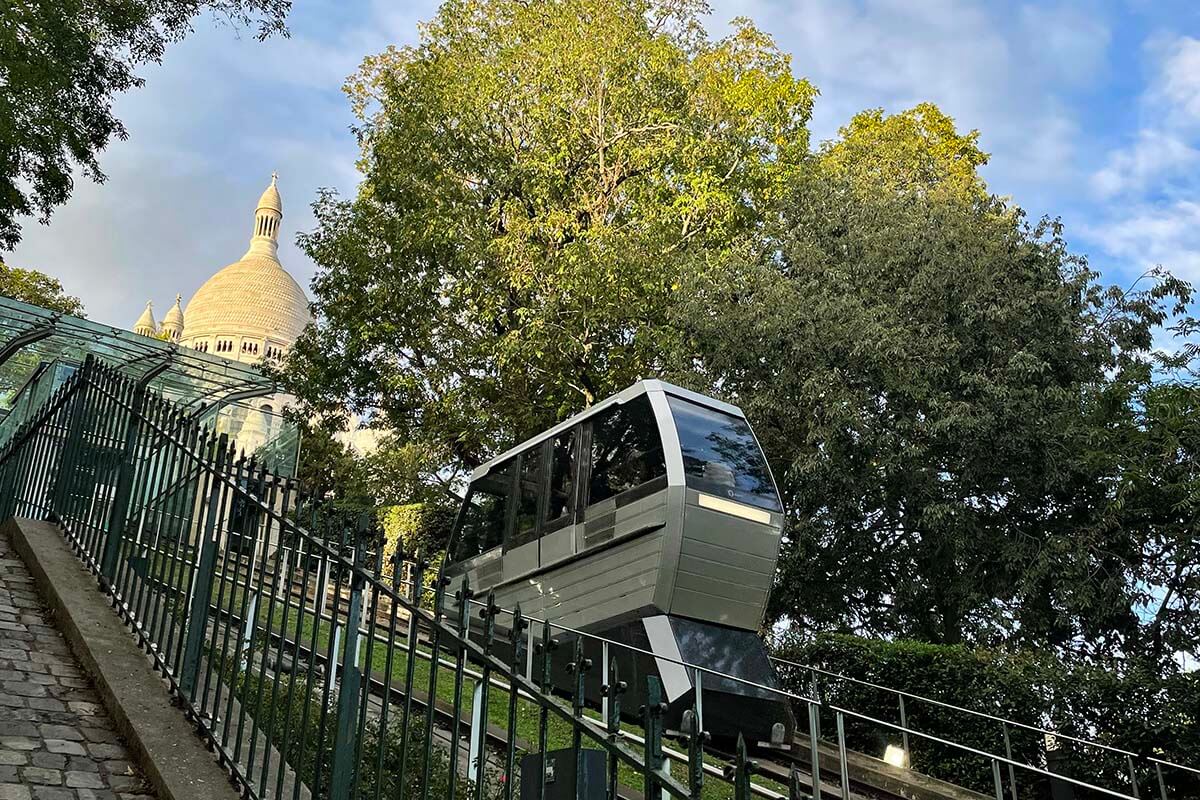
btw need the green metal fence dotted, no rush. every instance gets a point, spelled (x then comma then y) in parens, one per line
(308, 665)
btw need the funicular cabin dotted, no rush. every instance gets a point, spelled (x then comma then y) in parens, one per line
(652, 520)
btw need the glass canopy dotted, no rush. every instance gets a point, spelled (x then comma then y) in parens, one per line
(40, 348)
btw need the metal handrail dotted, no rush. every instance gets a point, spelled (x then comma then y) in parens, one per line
(993, 757)
(984, 714)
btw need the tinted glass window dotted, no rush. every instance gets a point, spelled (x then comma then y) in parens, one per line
(720, 455)
(626, 449)
(562, 477)
(529, 490)
(486, 513)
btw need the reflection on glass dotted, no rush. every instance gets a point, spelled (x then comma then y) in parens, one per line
(562, 477)
(485, 513)
(528, 490)
(626, 449)
(720, 455)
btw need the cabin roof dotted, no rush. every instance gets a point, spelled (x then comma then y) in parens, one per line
(621, 397)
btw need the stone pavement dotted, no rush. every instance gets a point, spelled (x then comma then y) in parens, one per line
(56, 741)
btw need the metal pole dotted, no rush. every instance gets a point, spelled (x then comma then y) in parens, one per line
(813, 749)
(1133, 782)
(346, 734)
(604, 678)
(1162, 787)
(845, 773)
(1012, 773)
(996, 779)
(904, 732)
(122, 495)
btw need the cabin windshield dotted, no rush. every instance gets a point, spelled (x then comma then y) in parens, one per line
(720, 455)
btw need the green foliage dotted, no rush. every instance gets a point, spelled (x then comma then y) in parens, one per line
(39, 289)
(416, 527)
(1141, 712)
(935, 383)
(61, 63)
(282, 712)
(915, 151)
(536, 175)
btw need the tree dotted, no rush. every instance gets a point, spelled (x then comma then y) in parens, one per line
(535, 177)
(61, 63)
(39, 289)
(935, 383)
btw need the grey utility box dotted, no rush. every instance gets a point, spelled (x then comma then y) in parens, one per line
(560, 775)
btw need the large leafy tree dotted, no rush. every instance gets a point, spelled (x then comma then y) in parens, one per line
(31, 286)
(61, 64)
(942, 389)
(536, 175)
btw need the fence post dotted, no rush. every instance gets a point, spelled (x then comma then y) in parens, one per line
(202, 581)
(652, 714)
(842, 765)
(1008, 752)
(613, 688)
(814, 750)
(1133, 781)
(121, 497)
(346, 733)
(70, 452)
(904, 731)
(743, 766)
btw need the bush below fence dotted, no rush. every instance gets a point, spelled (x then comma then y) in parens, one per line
(1138, 711)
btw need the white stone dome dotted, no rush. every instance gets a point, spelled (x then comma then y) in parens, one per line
(253, 304)
(253, 297)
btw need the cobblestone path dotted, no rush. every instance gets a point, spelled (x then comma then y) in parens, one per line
(56, 741)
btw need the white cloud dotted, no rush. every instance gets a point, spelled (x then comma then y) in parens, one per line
(990, 69)
(1151, 235)
(1155, 153)
(1180, 80)
(1170, 105)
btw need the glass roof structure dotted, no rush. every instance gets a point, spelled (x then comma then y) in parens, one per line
(31, 336)
(40, 348)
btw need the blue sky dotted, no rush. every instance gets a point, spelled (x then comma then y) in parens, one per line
(1091, 111)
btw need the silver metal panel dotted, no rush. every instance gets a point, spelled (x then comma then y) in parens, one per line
(746, 578)
(713, 527)
(592, 616)
(723, 588)
(704, 606)
(557, 546)
(662, 642)
(521, 560)
(728, 555)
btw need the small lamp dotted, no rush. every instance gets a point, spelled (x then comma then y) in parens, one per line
(896, 756)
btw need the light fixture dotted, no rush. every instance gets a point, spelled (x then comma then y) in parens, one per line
(735, 509)
(896, 756)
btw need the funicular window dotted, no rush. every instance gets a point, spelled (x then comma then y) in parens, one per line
(529, 491)
(486, 512)
(560, 508)
(627, 450)
(720, 455)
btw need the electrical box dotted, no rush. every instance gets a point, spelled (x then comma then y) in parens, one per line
(559, 768)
